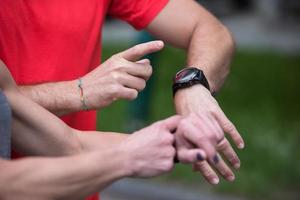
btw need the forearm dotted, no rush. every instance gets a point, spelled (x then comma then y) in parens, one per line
(211, 49)
(95, 140)
(208, 43)
(35, 131)
(59, 98)
(38, 132)
(60, 178)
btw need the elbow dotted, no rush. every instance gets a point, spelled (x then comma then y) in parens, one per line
(224, 48)
(229, 42)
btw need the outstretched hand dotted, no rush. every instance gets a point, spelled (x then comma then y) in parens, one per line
(120, 77)
(203, 128)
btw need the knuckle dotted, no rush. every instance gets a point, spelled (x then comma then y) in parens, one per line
(224, 172)
(205, 170)
(199, 137)
(170, 152)
(212, 136)
(223, 144)
(182, 157)
(114, 59)
(168, 165)
(114, 89)
(229, 127)
(184, 124)
(169, 139)
(115, 75)
(209, 173)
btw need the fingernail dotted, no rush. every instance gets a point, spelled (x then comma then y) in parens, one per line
(216, 159)
(199, 157)
(160, 43)
(215, 181)
(231, 178)
(237, 165)
(241, 145)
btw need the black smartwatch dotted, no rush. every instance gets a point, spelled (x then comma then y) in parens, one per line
(188, 77)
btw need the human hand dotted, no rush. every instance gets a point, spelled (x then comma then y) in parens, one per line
(120, 77)
(150, 151)
(205, 130)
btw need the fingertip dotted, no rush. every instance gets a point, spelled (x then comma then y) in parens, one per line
(160, 43)
(241, 145)
(215, 181)
(237, 165)
(231, 178)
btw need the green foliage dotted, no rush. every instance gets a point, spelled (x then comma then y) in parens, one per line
(261, 97)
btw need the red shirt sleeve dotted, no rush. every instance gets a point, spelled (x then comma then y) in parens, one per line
(138, 13)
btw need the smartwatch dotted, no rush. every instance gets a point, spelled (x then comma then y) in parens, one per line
(188, 77)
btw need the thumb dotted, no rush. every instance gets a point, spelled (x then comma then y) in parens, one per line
(143, 61)
(189, 156)
(171, 123)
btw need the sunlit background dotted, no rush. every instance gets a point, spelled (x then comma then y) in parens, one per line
(261, 96)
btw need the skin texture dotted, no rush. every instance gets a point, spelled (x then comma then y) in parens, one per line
(120, 77)
(146, 153)
(209, 46)
(100, 158)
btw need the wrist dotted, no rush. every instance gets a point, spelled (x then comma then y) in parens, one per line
(127, 162)
(72, 101)
(184, 97)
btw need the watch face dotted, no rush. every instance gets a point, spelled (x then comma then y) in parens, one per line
(185, 75)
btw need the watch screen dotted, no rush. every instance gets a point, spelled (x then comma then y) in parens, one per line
(185, 75)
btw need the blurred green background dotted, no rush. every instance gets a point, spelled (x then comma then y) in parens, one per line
(261, 97)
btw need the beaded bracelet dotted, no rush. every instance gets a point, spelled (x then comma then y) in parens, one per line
(82, 98)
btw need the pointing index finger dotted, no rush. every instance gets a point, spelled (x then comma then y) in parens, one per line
(138, 51)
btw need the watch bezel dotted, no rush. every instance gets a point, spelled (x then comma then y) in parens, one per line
(198, 78)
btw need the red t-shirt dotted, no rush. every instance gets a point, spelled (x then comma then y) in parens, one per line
(57, 40)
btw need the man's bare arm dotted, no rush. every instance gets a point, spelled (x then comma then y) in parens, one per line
(36, 131)
(73, 177)
(146, 153)
(120, 77)
(209, 45)
(59, 97)
(185, 24)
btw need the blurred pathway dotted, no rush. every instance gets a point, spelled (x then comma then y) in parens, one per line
(132, 189)
(250, 31)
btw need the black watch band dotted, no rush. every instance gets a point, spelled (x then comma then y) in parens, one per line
(188, 77)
